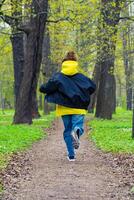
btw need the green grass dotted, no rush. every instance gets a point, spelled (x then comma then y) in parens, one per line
(14, 138)
(114, 135)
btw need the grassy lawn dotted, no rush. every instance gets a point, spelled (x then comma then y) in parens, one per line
(15, 138)
(114, 135)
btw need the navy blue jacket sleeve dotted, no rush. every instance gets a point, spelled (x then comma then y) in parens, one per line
(49, 87)
(92, 87)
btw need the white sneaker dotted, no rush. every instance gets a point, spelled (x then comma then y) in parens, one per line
(71, 158)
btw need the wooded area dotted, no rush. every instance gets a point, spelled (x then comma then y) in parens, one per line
(36, 34)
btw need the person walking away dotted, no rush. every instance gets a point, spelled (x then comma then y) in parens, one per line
(70, 90)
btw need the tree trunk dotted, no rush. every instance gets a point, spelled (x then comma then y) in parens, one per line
(34, 104)
(35, 33)
(129, 96)
(96, 78)
(110, 12)
(35, 111)
(114, 96)
(1, 97)
(40, 102)
(17, 40)
(47, 67)
(18, 60)
(128, 70)
(106, 93)
(17, 43)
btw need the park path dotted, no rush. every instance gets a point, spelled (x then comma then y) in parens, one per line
(53, 177)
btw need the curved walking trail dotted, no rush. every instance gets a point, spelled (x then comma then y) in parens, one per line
(53, 177)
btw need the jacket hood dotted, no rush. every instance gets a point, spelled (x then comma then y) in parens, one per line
(69, 67)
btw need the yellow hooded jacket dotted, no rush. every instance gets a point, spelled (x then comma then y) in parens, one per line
(69, 68)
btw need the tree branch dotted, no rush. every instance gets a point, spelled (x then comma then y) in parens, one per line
(58, 20)
(127, 18)
(8, 19)
(4, 33)
(131, 52)
(26, 28)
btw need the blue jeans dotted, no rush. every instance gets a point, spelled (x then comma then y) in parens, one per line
(72, 123)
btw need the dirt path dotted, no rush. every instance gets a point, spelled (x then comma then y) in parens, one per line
(53, 177)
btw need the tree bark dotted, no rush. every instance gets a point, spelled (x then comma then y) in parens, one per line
(18, 60)
(47, 66)
(17, 40)
(96, 78)
(35, 33)
(106, 93)
(35, 111)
